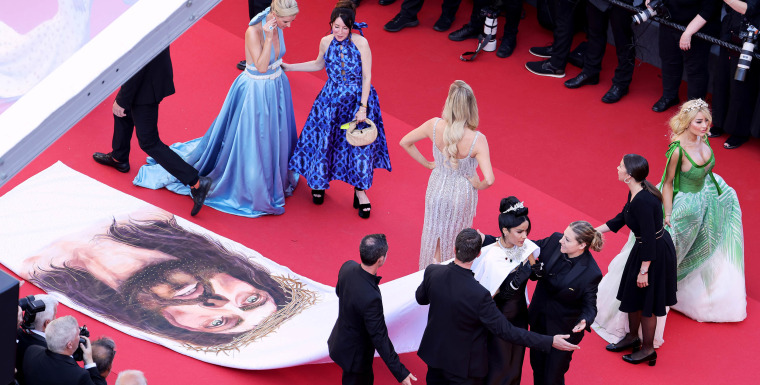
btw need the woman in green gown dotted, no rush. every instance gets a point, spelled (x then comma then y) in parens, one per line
(705, 221)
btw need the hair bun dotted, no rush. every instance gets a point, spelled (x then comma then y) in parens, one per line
(346, 4)
(510, 203)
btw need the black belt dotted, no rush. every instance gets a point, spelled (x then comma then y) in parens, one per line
(658, 234)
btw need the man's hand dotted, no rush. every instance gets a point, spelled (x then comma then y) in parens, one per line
(559, 343)
(118, 110)
(408, 380)
(86, 350)
(580, 326)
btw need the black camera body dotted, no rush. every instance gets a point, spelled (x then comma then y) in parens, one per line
(31, 307)
(749, 38)
(79, 354)
(655, 7)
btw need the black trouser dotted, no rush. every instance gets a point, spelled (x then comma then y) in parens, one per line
(675, 61)
(144, 120)
(366, 378)
(410, 8)
(256, 6)
(550, 368)
(563, 32)
(512, 11)
(620, 21)
(734, 101)
(437, 376)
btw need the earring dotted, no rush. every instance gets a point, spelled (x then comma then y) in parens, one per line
(626, 180)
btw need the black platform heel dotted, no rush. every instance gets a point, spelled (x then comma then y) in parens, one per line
(652, 358)
(364, 208)
(318, 196)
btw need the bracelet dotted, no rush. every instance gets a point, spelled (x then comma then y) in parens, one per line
(362, 105)
(644, 272)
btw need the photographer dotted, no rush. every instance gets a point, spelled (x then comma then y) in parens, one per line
(34, 334)
(734, 101)
(600, 13)
(512, 10)
(55, 365)
(679, 52)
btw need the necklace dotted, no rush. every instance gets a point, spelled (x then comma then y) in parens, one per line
(513, 254)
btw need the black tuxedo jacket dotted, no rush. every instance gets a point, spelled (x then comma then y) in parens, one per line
(561, 301)
(43, 367)
(25, 340)
(149, 85)
(360, 328)
(461, 312)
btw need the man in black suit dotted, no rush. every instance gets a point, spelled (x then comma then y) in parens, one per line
(103, 353)
(461, 313)
(360, 328)
(34, 334)
(55, 365)
(136, 109)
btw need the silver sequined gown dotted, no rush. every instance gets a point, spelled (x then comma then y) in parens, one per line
(450, 203)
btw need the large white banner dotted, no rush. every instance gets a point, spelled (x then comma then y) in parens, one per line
(161, 278)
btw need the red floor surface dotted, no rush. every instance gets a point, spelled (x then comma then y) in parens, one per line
(555, 148)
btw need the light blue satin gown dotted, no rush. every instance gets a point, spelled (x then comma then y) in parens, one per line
(247, 149)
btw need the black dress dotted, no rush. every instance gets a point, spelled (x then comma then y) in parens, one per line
(505, 359)
(643, 215)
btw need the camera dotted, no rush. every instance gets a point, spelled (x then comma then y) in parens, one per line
(655, 7)
(489, 28)
(749, 38)
(79, 354)
(31, 307)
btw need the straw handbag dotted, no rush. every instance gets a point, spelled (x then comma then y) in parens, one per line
(363, 137)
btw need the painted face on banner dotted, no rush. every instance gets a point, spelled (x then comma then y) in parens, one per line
(219, 304)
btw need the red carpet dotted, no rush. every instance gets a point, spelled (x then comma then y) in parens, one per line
(555, 148)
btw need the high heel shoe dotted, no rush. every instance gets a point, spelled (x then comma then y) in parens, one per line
(364, 208)
(617, 347)
(318, 196)
(652, 358)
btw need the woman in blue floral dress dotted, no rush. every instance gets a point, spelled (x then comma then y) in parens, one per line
(322, 153)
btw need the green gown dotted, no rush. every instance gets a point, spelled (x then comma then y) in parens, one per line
(706, 226)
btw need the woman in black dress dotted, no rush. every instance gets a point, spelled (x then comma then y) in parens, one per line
(565, 298)
(505, 360)
(648, 284)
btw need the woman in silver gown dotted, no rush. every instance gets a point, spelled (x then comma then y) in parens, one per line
(452, 192)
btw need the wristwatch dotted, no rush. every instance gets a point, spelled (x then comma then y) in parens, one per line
(643, 272)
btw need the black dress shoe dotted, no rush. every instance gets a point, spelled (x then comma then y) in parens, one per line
(715, 132)
(506, 48)
(545, 52)
(199, 194)
(618, 347)
(107, 160)
(581, 80)
(398, 23)
(464, 33)
(443, 23)
(241, 65)
(651, 358)
(734, 141)
(545, 68)
(386, 2)
(614, 94)
(665, 103)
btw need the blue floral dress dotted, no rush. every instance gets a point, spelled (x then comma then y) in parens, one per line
(322, 153)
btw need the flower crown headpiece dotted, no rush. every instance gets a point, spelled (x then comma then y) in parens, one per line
(514, 207)
(698, 105)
